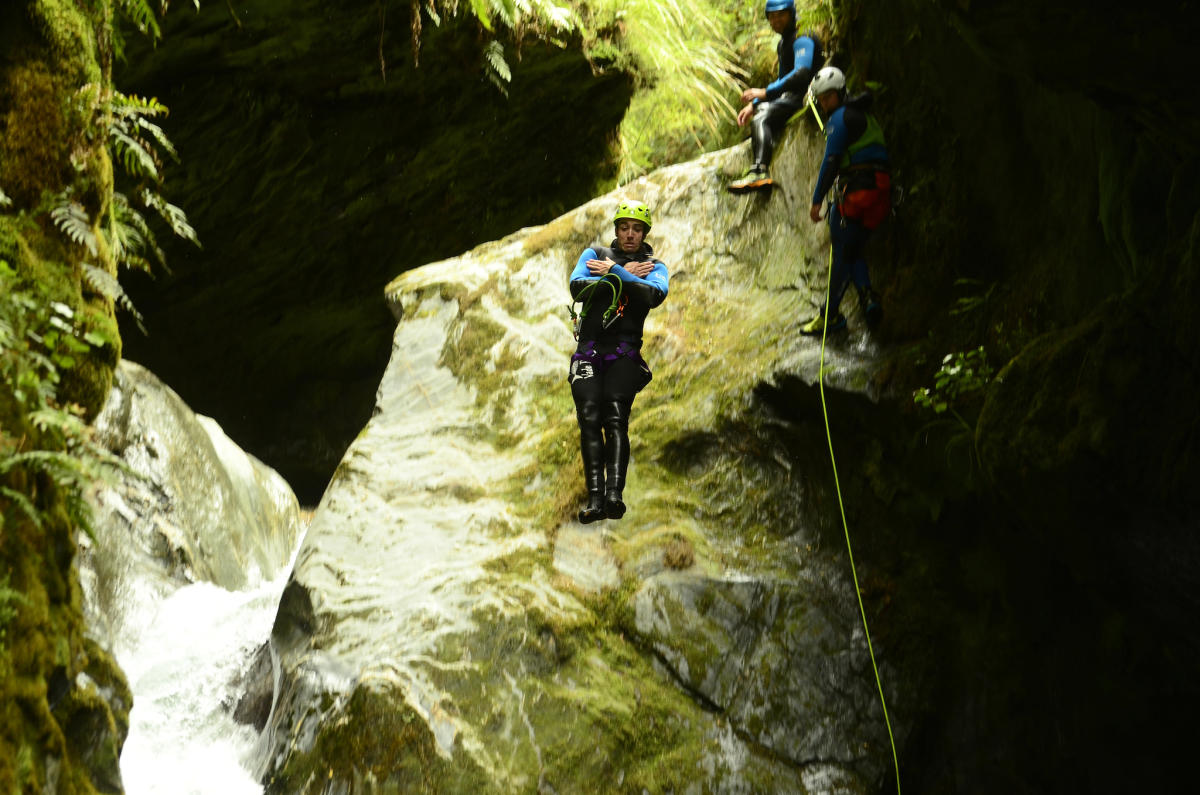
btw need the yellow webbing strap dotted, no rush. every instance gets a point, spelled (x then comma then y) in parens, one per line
(816, 113)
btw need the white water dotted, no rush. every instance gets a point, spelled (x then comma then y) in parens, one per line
(180, 661)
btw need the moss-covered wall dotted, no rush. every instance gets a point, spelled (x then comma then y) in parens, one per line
(317, 164)
(63, 701)
(53, 72)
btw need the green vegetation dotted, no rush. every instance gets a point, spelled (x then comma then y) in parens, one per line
(40, 340)
(691, 59)
(962, 376)
(398, 754)
(9, 599)
(48, 463)
(65, 229)
(958, 390)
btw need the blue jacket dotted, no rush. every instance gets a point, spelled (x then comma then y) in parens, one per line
(658, 279)
(797, 56)
(845, 126)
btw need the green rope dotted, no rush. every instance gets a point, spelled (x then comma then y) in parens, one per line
(845, 525)
(585, 298)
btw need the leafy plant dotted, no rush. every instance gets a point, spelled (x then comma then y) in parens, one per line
(72, 220)
(958, 388)
(107, 285)
(142, 15)
(691, 76)
(496, 67)
(138, 143)
(686, 63)
(41, 441)
(961, 375)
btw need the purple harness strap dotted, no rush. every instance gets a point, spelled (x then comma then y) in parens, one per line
(587, 362)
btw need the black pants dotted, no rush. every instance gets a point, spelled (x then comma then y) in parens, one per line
(603, 400)
(767, 125)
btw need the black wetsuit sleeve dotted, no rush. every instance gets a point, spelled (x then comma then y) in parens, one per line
(644, 293)
(797, 82)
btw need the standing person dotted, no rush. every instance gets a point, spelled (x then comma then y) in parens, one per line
(856, 157)
(771, 107)
(617, 285)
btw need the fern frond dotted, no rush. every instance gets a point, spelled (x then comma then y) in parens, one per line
(506, 10)
(49, 461)
(138, 222)
(122, 238)
(159, 136)
(127, 105)
(105, 284)
(64, 422)
(483, 12)
(130, 117)
(558, 17)
(175, 217)
(133, 153)
(142, 16)
(24, 503)
(129, 236)
(72, 220)
(496, 67)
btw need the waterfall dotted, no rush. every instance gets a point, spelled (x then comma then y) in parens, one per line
(187, 650)
(181, 577)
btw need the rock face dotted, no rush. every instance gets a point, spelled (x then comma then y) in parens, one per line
(449, 627)
(194, 506)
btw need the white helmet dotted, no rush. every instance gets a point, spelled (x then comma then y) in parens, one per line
(830, 78)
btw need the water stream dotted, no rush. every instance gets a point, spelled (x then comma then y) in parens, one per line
(180, 656)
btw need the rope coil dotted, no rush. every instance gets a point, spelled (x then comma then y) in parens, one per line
(616, 307)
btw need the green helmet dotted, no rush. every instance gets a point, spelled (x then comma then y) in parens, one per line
(636, 210)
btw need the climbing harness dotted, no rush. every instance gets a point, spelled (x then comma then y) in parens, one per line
(863, 193)
(846, 527)
(588, 362)
(615, 310)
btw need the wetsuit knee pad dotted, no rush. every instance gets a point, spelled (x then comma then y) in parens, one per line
(615, 413)
(762, 137)
(588, 413)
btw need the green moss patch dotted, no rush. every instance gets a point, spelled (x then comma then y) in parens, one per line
(376, 742)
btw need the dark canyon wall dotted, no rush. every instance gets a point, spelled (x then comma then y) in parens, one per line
(317, 163)
(1049, 152)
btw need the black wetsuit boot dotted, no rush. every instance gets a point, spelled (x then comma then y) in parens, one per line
(868, 301)
(616, 453)
(591, 445)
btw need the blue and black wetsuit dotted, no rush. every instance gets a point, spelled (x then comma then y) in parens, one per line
(855, 152)
(607, 369)
(799, 60)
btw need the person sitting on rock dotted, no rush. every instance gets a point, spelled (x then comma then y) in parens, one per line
(617, 286)
(856, 159)
(771, 107)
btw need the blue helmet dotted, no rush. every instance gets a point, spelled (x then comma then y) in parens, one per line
(781, 5)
